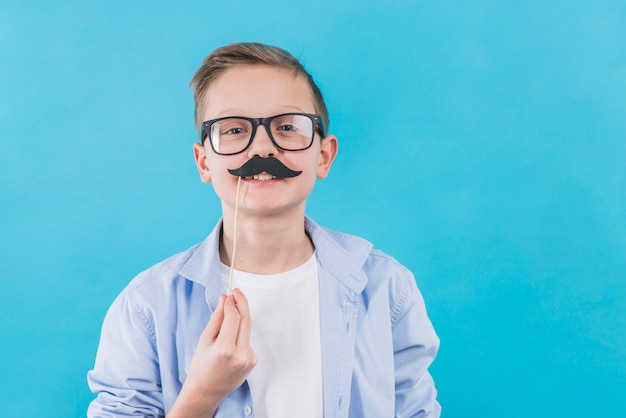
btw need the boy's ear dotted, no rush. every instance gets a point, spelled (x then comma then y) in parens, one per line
(199, 155)
(328, 152)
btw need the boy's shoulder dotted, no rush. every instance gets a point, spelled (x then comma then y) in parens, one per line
(358, 249)
(190, 264)
(163, 272)
(338, 243)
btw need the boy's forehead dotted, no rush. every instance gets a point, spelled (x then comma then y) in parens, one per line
(257, 88)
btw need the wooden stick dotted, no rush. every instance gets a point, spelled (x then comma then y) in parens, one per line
(232, 256)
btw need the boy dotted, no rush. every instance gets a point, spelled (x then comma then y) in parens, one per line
(319, 323)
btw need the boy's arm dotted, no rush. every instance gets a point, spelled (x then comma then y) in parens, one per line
(126, 376)
(415, 346)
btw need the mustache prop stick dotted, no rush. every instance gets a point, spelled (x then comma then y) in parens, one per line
(253, 167)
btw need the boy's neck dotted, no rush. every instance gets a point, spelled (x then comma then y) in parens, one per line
(268, 244)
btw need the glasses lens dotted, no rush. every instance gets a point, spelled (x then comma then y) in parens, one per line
(230, 135)
(292, 132)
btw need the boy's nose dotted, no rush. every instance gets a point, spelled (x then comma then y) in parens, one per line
(262, 144)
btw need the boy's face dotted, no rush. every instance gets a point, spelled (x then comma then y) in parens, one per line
(258, 91)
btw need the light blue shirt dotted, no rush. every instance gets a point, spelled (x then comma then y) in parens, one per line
(377, 340)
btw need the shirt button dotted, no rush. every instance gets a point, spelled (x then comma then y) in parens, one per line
(247, 410)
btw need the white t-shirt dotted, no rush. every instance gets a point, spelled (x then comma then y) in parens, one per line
(285, 336)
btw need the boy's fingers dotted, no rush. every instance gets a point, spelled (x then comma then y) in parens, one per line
(212, 328)
(230, 325)
(243, 337)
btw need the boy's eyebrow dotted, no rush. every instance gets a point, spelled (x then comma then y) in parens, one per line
(239, 112)
(227, 112)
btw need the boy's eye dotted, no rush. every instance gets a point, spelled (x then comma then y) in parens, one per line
(291, 125)
(234, 131)
(233, 127)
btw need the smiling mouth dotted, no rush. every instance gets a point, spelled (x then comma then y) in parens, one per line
(261, 177)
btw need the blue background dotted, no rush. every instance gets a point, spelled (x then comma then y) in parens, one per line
(482, 143)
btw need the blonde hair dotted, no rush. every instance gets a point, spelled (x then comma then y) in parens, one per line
(249, 53)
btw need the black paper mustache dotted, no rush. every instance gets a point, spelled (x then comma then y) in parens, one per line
(269, 165)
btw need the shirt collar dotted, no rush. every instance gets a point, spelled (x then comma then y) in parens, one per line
(203, 267)
(340, 254)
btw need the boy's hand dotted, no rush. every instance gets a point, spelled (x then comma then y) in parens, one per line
(222, 360)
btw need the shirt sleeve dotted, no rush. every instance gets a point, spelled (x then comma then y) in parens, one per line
(415, 347)
(126, 378)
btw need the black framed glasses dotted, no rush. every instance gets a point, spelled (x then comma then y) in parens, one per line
(289, 132)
